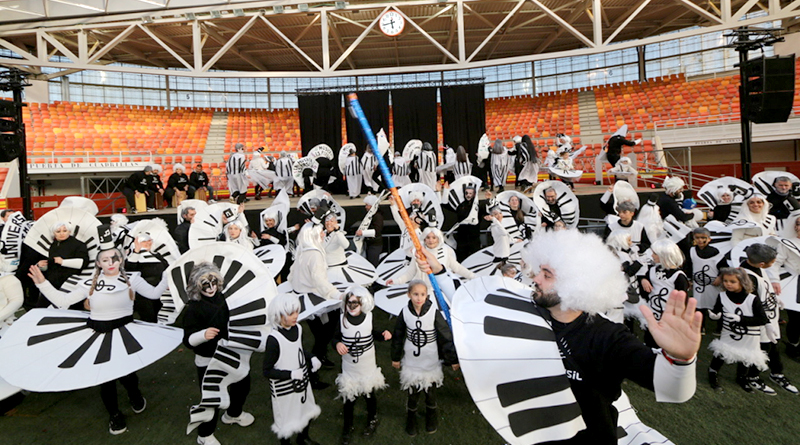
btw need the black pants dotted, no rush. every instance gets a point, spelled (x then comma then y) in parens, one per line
(349, 407)
(130, 196)
(413, 398)
(147, 309)
(323, 334)
(238, 394)
(742, 371)
(108, 392)
(793, 327)
(374, 254)
(775, 363)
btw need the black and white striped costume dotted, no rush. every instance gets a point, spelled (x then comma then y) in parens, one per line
(368, 165)
(462, 169)
(237, 179)
(283, 168)
(499, 169)
(352, 170)
(400, 171)
(427, 168)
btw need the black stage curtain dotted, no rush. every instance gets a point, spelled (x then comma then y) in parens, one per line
(463, 117)
(376, 109)
(320, 121)
(414, 111)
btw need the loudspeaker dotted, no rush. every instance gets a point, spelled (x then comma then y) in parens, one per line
(770, 89)
(10, 146)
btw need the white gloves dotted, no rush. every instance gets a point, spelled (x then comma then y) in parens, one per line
(771, 334)
(297, 374)
(731, 317)
(315, 364)
(714, 315)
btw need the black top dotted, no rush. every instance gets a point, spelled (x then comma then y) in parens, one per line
(616, 142)
(179, 181)
(721, 212)
(155, 183)
(152, 270)
(377, 224)
(182, 236)
(598, 355)
(198, 180)
(273, 232)
(444, 336)
(70, 248)
(669, 206)
(782, 206)
(203, 314)
(139, 181)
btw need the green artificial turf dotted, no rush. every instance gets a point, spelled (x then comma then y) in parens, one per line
(170, 386)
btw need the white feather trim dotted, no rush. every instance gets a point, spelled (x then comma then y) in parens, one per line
(733, 354)
(351, 387)
(297, 425)
(420, 380)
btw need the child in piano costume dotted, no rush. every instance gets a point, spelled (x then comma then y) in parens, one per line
(109, 297)
(742, 316)
(662, 278)
(420, 334)
(355, 342)
(288, 367)
(205, 323)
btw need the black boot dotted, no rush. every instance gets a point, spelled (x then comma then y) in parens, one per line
(372, 426)
(411, 423)
(303, 439)
(431, 419)
(258, 190)
(713, 380)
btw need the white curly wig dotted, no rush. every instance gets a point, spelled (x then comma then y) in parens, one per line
(282, 304)
(363, 295)
(673, 184)
(589, 276)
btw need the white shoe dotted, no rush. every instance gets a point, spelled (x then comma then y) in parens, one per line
(208, 440)
(244, 419)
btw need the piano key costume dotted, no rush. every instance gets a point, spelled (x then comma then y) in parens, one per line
(283, 169)
(62, 350)
(237, 178)
(360, 376)
(426, 162)
(288, 367)
(205, 312)
(352, 171)
(418, 339)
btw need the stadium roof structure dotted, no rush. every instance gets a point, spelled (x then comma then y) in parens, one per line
(217, 38)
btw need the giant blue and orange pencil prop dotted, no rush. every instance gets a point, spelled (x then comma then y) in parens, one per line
(358, 113)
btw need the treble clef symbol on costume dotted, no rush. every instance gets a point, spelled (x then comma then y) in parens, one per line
(357, 348)
(418, 338)
(738, 330)
(301, 385)
(657, 302)
(101, 285)
(702, 279)
(771, 306)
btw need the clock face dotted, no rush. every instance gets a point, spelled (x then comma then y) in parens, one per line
(392, 23)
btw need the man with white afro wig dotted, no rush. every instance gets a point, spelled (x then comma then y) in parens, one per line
(575, 277)
(670, 202)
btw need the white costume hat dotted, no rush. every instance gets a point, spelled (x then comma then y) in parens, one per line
(371, 200)
(673, 184)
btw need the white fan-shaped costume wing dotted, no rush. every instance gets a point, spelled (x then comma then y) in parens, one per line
(357, 270)
(709, 193)
(208, 225)
(242, 272)
(163, 243)
(344, 152)
(565, 199)
(738, 253)
(273, 256)
(412, 149)
(55, 350)
(720, 235)
(12, 237)
(312, 305)
(455, 194)
(511, 362)
(84, 228)
(623, 191)
(483, 148)
(80, 202)
(321, 151)
(304, 207)
(302, 164)
(197, 204)
(482, 264)
(763, 181)
(393, 264)
(430, 200)
(532, 218)
(788, 274)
